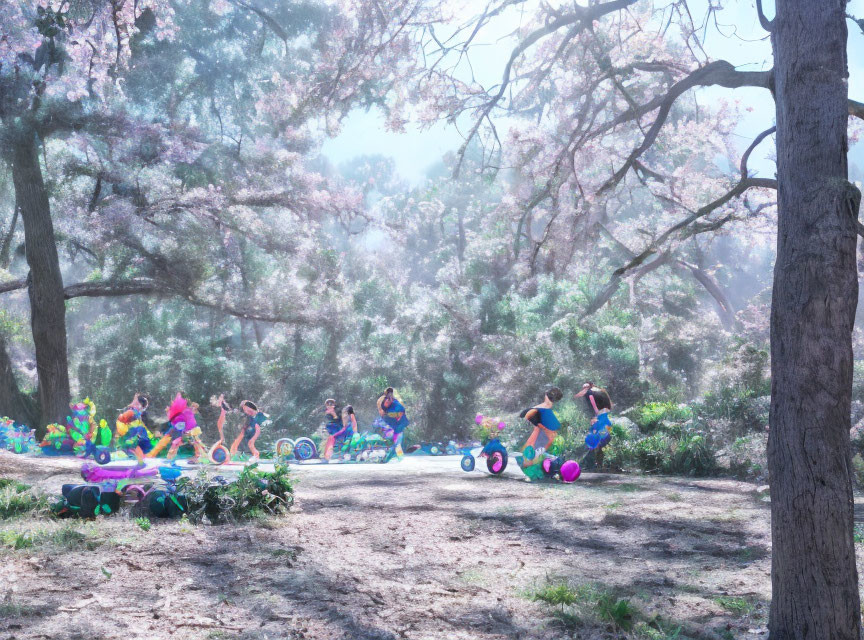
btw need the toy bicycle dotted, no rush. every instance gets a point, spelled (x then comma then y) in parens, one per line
(496, 458)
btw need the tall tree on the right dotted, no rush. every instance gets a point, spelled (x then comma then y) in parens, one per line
(813, 574)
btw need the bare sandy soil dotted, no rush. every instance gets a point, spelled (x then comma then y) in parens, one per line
(417, 550)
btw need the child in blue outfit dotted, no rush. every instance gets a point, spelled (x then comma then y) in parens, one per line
(393, 421)
(598, 405)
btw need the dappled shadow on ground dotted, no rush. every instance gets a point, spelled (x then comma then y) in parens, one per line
(397, 555)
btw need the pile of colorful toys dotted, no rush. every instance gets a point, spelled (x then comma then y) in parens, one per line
(16, 437)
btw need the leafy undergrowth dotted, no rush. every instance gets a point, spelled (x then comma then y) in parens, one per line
(17, 499)
(576, 605)
(576, 609)
(41, 534)
(252, 495)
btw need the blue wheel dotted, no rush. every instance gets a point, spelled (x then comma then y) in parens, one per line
(468, 463)
(219, 455)
(304, 449)
(102, 455)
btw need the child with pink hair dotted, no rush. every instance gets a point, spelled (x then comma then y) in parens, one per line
(182, 427)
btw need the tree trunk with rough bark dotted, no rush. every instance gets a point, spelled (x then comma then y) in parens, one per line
(814, 578)
(47, 303)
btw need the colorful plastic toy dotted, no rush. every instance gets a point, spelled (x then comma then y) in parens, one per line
(16, 437)
(81, 435)
(494, 451)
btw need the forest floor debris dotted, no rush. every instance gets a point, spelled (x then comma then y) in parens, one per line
(403, 551)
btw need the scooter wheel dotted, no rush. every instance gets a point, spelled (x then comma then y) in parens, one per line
(102, 456)
(304, 449)
(219, 455)
(284, 447)
(467, 463)
(496, 462)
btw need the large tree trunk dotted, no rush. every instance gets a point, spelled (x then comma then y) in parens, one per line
(47, 304)
(813, 573)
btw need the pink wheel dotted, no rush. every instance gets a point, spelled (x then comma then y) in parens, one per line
(570, 471)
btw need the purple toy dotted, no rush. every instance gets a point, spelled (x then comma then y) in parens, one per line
(92, 473)
(570, 471)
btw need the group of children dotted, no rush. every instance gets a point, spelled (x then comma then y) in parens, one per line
(546, 424)
(135, 429)
(342, 424)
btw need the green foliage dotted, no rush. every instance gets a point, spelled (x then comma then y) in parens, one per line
(658, 629)
(858, 468)
(253, 494)
(17, 499)
(678, 450)
(747, 456)
(649, 416)
(143, 523)
(556, 594)
(734, 604)
(587, 601)
(66, 538)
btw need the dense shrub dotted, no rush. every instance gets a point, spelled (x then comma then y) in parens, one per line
(253, 494)
(680, 450)
(651, 415)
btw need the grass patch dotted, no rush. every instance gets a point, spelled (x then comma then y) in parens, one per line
(674, 497)
(613, 505)
(858, 534)
(585, 602)
(658, 629)
(143, 523)
(733, 604)
(17, 498)
(67, 538)
(12, 609)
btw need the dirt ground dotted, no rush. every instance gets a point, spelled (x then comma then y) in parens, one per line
(417, 550)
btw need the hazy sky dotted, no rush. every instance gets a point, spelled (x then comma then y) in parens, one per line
(745, 45)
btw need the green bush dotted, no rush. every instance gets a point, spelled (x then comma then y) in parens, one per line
(587, 600)
(679, 451)
(253, 494)
(651, 415)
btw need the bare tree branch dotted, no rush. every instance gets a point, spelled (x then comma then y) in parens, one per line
(725, 310)
(637, 260)
(584, 16)
(149, 286)
(719, 73)
(767, 24)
